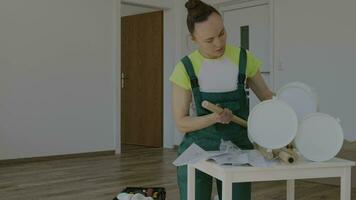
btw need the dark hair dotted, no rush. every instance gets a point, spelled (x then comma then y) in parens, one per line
(198, 11)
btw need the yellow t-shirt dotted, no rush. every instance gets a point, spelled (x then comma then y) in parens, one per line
(215, 75)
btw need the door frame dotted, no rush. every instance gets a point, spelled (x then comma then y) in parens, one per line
(169, 46)
(228, 5)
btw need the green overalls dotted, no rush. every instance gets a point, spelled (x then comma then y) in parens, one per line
(210, 137)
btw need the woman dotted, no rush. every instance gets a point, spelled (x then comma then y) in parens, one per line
(218, 73)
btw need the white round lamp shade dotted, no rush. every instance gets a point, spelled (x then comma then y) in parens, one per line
(300, 97)
(272, 124)
(319, 138)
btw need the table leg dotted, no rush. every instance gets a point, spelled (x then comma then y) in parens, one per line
(191, 183)
(345, 190)
(290, 189)
(226, 189)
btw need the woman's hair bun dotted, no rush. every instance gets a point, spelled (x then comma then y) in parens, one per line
(198, 11)
(191, 4)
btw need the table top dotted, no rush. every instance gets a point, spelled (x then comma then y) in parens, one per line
(300, 164)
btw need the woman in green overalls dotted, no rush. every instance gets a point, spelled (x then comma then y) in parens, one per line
(218, 73)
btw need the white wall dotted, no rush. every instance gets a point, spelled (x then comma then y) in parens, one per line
(127, 9)
(182, 49)
(170, 40)
(315, 42)
(56, 77)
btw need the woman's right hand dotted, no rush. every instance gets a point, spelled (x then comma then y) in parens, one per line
(224, 117)
(181, 100)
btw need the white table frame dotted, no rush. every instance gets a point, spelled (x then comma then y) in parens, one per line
(301, 170)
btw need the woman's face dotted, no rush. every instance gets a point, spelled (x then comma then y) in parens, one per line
(210, 36)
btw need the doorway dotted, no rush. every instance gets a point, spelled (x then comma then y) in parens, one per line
(142, 79)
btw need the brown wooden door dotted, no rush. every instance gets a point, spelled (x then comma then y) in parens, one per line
(142, 79)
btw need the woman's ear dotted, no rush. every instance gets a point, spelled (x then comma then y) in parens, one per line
(192, 37)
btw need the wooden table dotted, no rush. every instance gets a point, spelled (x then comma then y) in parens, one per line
(301, 170)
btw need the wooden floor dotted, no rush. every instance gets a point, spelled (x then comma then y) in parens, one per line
(101, 177)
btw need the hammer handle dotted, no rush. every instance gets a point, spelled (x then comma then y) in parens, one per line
(216, 109)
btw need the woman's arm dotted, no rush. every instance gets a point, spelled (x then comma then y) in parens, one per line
(259, 87)
(181, 100)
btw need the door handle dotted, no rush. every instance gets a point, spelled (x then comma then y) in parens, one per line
(123, 77)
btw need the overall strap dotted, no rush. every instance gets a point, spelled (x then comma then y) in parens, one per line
(194, 84)
(241, 82)
(242, 67)
(190, 70)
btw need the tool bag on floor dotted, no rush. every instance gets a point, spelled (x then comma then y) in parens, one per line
(157, 193)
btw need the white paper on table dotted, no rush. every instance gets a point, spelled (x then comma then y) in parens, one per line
(191, 155)
(256, 159)
(194, 154)
(251, 157)
(231, 158)
(215, 153)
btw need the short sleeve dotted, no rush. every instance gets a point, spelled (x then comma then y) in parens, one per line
(180, 76)
(253, 65)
